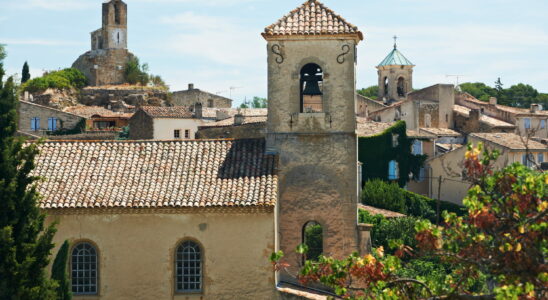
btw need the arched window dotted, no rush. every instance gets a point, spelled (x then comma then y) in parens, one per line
(401, 87)
(188, 268)
(386, 85)
(313, 239)
(84, 271)
(311, 88)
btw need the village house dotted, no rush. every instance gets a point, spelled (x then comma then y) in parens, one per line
(99, 118)
(177, 219)
(164, 123)
(39, 120)
(192, 95)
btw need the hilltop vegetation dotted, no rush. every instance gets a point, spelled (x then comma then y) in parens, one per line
(62, 80)
(519, 95)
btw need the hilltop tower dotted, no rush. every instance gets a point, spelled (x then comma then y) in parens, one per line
(311, 126)
(395, 76)
(105, 63)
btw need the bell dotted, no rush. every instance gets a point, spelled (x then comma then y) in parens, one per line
(312, 88)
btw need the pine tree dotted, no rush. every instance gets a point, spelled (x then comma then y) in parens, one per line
(25, 243)
(59, 273)
(26, 73)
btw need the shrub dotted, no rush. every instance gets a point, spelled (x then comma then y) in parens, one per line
(136, 73)
(62, 80)
(388, 230)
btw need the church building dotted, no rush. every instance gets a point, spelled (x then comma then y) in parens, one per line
(198, 219)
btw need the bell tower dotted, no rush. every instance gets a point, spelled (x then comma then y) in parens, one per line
(312, 127)
(395, 76)
(114, 25)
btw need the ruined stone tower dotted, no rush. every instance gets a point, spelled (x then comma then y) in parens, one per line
(311, 126)
(395, 76)
(105, 63)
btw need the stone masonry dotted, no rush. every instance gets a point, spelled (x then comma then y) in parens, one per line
(192, 95)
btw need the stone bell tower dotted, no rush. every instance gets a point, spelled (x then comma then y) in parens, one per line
(115, 24)
(311, 126)
(395, 76)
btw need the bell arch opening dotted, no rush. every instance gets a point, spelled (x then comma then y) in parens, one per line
(311, 88)
(401, 87)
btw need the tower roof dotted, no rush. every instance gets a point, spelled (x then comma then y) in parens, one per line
(395, 58)
(312, 18)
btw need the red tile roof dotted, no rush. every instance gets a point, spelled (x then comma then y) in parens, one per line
(156, 174)
(90, 111)
(312, 18)
(176, 112)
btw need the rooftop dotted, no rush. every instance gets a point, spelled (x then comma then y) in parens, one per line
(209, 112)
(395, 58)
(493, 122)
(440, 131)
(510, 141)
(90, 111)
(156, 174)
(175, 112)
(312, 18)
(230, 121)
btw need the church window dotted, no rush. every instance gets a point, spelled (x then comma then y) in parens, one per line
(385, 85)
(313, 239)
(311, 89)
(84, 271)
(401, 87)
(393, 170)
(117, 13)
(188, 268)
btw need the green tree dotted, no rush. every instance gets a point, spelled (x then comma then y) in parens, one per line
(479, 90)
(257, 102)
(59, 272)
(25, 73)
(25, 242)
(521, 95)
(370, 92)
(136, 73)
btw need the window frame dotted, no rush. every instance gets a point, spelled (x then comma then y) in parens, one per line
(417, 143)
(542, 124)
(176, 133)
(527, 123)
(540, 158)
(97, 268)
(52, 123)
(35, 124)
(202, 267)
(396, 175)
(187, 133)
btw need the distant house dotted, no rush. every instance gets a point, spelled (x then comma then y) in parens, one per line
(99, 118)
(449, 167)
(193, 95)
(164, 123)
(38, 120)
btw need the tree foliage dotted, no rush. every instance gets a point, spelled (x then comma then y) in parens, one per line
(136, 73)
(25, 243)
(257, 102)
(62, 80)
(370, 92)
(498, 250)
(519, 95)
(59, 272)
(25, 74)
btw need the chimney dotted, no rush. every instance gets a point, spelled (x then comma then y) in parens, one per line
(534, 108)
(239, 119)
(475, 114)
(493, 101)
(198, 110)
(190, 86)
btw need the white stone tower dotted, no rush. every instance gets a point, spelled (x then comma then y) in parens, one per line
(395, 76)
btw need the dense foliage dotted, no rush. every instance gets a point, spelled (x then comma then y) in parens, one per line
(59, 272)
(375, 152)
(519, 95)
(137, 73)
(257, 102)
(390, 196)
(498, 250)
(62, 80)
(25, 74)
(370, 92)
(387, 230)
(25, 243)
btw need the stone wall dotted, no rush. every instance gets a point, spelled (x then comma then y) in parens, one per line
(27, 111)
(192, 96)
(104, 66)
(123, 99)
(89, 136)
(440, 95)
(245, 131)
(141, 126)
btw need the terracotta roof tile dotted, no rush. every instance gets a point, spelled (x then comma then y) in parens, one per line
(465, 111)
(159, 174)
(438, 131)
(312, 18)
(178, 112)
(511, 141)
(89, 111)
(230, 121)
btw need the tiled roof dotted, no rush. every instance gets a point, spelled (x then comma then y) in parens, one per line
(511, 141)
(312, 18)
(230, 121)
(89, 111)
(415, 134)
(156, 174)
(395, 58)
(176, 112)
(371, 128)
(379, 211)
(440, 131)
(465, 111)
(211, 112)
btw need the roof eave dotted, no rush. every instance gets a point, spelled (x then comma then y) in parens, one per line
(358, 36)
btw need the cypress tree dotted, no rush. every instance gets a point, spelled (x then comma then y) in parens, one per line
(25, 243)
(59, 273)
(26, 73)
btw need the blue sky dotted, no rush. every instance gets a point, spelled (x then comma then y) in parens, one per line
(216, 44)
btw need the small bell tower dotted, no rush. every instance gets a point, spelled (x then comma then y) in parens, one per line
(312, 127)
(395, 76)
(115, 24)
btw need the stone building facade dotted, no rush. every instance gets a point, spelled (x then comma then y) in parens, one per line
(317, 148)
(39, 120)
(163, 123)
(105, 63)
(192, 95)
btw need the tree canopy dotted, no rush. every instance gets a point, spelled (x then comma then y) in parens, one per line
(257, 102)
(370, 92)
(519, 95)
